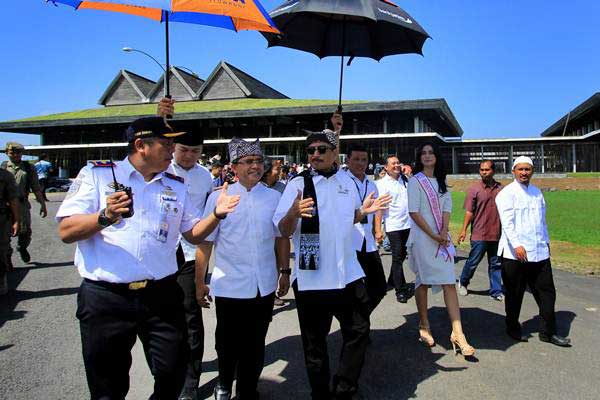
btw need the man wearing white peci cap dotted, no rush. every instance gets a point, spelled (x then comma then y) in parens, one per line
(525, 250)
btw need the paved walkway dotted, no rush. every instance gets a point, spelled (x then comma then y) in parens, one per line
(40, 350)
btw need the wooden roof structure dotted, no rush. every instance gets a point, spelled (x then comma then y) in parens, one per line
(127, 88)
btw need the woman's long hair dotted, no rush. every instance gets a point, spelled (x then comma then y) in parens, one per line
(439, 171)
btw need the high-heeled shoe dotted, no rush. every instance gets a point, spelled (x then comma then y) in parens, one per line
(425, 336)
(460, 341)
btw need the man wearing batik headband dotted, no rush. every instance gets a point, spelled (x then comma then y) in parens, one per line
(525, 250)
(319, 208)
(251, 261)
(126, 257)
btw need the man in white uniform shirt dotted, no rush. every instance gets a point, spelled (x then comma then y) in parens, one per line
(525, 250)
(328, 280)
(397, 223)
(246, 273)
(188, 149)
(362, 235)
(126, 256)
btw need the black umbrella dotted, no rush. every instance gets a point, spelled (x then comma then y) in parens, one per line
(353, 28)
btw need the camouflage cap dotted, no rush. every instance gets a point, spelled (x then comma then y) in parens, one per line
(14, 146)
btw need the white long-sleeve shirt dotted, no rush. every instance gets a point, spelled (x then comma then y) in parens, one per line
(396, 216)
(522, 211)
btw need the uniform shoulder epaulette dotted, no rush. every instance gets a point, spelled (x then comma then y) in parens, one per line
(102, 163)
(174, 177)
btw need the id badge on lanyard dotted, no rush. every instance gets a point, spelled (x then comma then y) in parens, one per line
(167, 202)
(365, 219)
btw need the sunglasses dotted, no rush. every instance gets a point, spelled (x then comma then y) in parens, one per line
(321, 149)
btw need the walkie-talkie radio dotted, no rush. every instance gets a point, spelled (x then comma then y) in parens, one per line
(122, 188)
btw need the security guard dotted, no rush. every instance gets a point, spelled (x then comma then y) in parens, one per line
(27, 182)
(9, 222)
(126, 256)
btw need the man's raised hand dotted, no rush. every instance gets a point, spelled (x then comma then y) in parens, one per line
(302, 207)
(371, 205)
(225, 203)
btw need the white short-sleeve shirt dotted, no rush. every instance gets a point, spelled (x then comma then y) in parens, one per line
(137, 248)
(364, 232)
(337, 201)
(245, 262)
(396, 216)
(522, 211)
(199, 185)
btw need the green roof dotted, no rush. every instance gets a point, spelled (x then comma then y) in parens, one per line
(184, 107)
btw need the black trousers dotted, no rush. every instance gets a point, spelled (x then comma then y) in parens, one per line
(316, 309)
(374, 276)
(398, 241)
(194, 323)
(111, 317)
(242, 326)
(538, 276)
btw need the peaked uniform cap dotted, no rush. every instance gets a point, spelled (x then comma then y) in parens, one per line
(148, 127)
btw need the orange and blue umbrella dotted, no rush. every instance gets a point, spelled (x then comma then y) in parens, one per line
(235, 15)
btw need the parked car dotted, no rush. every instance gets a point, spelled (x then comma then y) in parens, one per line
(58, 185)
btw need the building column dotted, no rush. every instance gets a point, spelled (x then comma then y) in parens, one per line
(454, 163)
(510, 158)
(270, 130)
(416, 124)
(574, 155)
(543, 159)
(385, 125)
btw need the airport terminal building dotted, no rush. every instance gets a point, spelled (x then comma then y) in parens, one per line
(231, 103)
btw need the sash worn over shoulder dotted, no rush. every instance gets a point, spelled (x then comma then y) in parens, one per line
(310, 243)
(434, 203)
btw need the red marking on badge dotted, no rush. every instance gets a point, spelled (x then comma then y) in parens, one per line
(390, 3)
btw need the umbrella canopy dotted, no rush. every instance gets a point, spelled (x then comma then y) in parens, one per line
(354, 28)
(236, 15)
(229, 14)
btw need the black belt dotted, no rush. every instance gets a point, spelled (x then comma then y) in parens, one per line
(147, 284)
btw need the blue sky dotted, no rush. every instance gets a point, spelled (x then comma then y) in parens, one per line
(507, 68)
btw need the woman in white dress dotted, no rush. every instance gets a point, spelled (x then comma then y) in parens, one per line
(431, 253)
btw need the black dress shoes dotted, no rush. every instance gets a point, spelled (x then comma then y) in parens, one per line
(222, 393)
(24, 255)
(188, 394)
(518, 336)
(556, 340)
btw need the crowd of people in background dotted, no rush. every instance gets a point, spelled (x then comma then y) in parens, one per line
(145, 268)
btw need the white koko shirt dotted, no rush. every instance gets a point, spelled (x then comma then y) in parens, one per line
(137, 248)
(396, 216)
(364, 232)
(522, 212)
(337, 201)
(245, 244)
(199, 185)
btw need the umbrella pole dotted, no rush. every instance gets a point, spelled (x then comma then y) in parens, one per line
(167, 69)
(339, 109)
(167, 63)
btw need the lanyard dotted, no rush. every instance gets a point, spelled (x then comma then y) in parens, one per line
(364, 196)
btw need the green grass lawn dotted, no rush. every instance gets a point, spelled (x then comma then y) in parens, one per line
(584, 175)
(573, 219)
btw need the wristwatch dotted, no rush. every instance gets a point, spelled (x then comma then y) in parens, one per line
(285, 271)
(217, 216)
(103, 220)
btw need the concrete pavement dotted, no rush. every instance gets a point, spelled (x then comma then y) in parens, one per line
(40, 350)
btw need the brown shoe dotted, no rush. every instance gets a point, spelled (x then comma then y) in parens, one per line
(279, 302)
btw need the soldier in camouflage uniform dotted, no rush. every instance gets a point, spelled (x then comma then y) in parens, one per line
(27, 182)
(9, 222)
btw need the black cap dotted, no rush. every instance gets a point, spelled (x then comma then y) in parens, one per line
(150, 127)
(191, 139)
